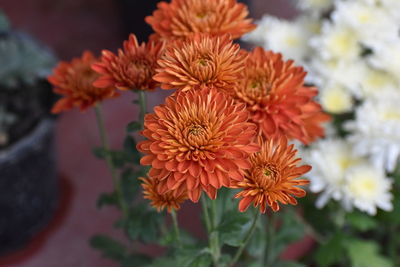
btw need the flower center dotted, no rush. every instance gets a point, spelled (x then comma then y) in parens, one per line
(270, 172)
(204, 60)
(266, 176)
(87, 77)
(201, 15)
(196, 130)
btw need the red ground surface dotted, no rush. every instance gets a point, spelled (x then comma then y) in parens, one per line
(69, 27)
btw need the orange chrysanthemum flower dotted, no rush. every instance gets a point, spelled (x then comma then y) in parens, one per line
(202, 61)
(272, 177)
(200, 140)
(132, 69)
(277, 98)
(182, 18)
(169, 200)
(74, 80)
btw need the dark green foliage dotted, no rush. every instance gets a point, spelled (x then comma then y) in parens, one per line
(109, 247)
(143, 223)
(233, 227)
(107, 199)
(361, 221)
(133, 126)
(130, 184)
(134, 260)
(290, 229)
(364, 253)
(332, 251)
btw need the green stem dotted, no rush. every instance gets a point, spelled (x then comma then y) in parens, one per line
(111, 167)
(214, 236)
(246, 239)
(206, 214)
(142, 107)
(269, 256)
(176, 227)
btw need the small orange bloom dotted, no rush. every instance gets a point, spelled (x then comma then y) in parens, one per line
(200, 140)
(74, 80)
(280, 104)
(272, 177)
(132, 69)
(202, 61)
(170, 200)
(182, 18)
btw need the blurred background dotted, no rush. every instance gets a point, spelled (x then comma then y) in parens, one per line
(68, 28)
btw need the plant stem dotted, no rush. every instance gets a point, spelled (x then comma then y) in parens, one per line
(270, 258)
(176, 227)
(246, 239)
(142, 107)
(214, 236)
(111, 167)
(206, 214)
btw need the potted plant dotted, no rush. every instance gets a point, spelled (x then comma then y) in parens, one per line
(27, 165)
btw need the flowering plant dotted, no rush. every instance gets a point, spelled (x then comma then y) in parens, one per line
(351, 50)
(226, 132)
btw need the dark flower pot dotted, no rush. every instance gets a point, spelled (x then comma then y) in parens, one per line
(28, 186)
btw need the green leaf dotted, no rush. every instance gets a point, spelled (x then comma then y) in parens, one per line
(320, 219)
(110, 248)
(107, 199)
(361, 221)
(289, 231)
(130, 184)
(391, 217)
(332, 251)
(226, 201)
(364, 253)
(185, 257)
(143, 224)
(133, 127)
(193, 257)
(119, 158)
(257, 243)
(132, 154)
(289, 264)
(233, 227)
(99, 152)
(163, 262)
(169, 239)
(135, 260)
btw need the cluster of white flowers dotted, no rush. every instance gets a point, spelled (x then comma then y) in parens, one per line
(351, 50)
(342, 175)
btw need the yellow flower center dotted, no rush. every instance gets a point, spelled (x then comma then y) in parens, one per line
(201, 15)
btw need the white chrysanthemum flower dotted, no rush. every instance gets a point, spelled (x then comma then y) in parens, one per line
(386, 56)
(369, 21)
(346, 74)
(288, 38)
(368, 188)
(392, 7)
(258, 35)
(336, 99)
(337, 42)
(376, 82)
(330, 160)
(376, 129)
(318, 6)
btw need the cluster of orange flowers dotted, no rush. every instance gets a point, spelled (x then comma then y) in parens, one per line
(230, 118)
